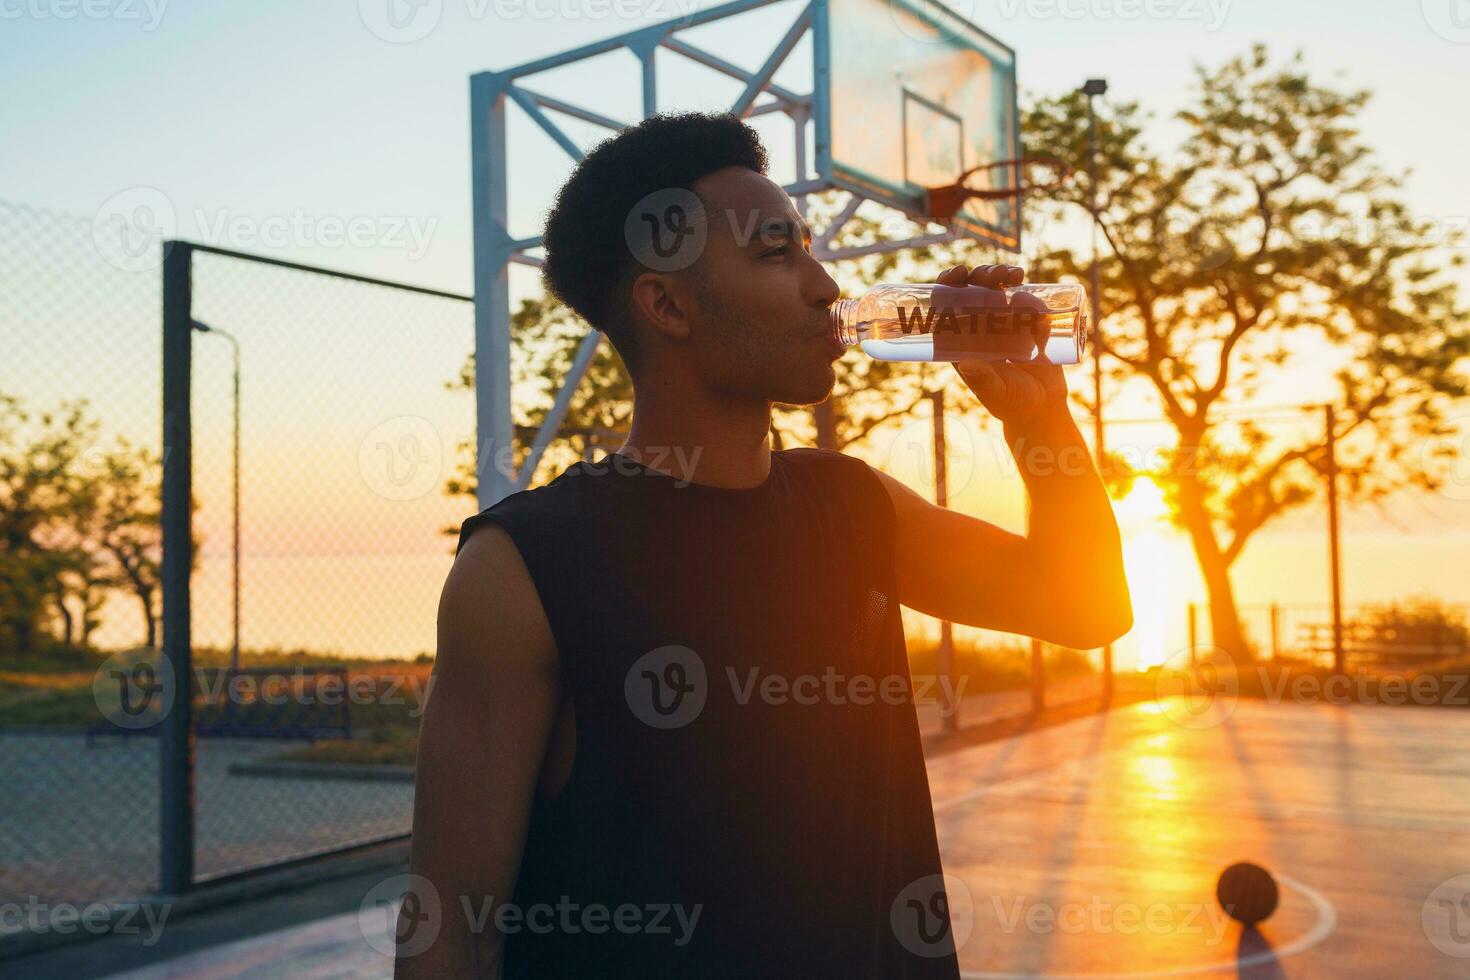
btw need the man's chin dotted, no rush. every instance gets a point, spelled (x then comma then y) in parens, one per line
(813, 392)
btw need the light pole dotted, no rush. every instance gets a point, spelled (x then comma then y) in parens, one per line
(949, 709)
(235, 570)
(1092, 89)
(1333, 551)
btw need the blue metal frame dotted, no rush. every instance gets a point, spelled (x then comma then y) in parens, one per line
(495, 249)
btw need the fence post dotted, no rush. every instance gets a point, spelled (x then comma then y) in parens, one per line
(1038, 678)
(1334, 556)
(1193, 635)
(950, 709)
(176, 742)
(1275, 631)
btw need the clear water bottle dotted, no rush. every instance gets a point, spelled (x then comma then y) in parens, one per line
(897, 321)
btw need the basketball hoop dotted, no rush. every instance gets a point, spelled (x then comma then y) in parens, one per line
(944, 202)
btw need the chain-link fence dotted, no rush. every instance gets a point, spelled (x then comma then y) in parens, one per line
(325, 418)
(328, 404)
(79, 381)
(1405, 637)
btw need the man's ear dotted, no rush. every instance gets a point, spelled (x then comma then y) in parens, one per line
(663, 301)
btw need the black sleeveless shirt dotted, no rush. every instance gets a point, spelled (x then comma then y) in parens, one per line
(748, 797)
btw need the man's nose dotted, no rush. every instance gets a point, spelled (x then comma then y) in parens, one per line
(825, 290)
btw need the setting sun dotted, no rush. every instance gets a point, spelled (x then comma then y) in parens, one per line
(1142, 518)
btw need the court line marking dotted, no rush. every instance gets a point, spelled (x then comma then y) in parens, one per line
(1321, 929)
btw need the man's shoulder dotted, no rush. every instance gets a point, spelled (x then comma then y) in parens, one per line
(859, 481)
(812, 456)
(534, 510)
(827, 461)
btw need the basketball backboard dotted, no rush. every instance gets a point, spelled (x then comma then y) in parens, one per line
(917, 95)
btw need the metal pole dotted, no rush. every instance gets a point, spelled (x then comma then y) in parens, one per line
(1097, 417)
(950, 717)
(1193, 634)
(1275, 631)
(176, 742)
(1038, 678)
(1334, 559)
(1096, 87)
(494, 428)
(235, 571)
(235, 480)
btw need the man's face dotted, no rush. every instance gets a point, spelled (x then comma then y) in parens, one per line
(759, 327)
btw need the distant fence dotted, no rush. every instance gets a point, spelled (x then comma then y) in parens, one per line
(75, 825)
(300, 426)
(350, 433)
(1375, 636)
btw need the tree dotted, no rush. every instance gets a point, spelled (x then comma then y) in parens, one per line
(1269, 245)
(40, 479)
(76, 522)
(125, 526)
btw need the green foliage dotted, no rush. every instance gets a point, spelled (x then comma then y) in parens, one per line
(77, 520)
(1267, 245)
(1420, 622)
(1002, 667)
(384, 747)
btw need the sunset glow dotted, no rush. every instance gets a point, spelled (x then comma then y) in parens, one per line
(1142, 517)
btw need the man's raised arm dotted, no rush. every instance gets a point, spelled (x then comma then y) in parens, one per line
(1063, 581)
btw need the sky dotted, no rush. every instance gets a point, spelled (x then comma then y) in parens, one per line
(330, 133)
(249, 111)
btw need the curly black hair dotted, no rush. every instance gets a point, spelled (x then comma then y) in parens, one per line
(588, 264)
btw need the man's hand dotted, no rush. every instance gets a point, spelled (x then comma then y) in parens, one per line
(1018, 394)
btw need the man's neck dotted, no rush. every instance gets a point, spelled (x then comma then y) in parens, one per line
(700, 437)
